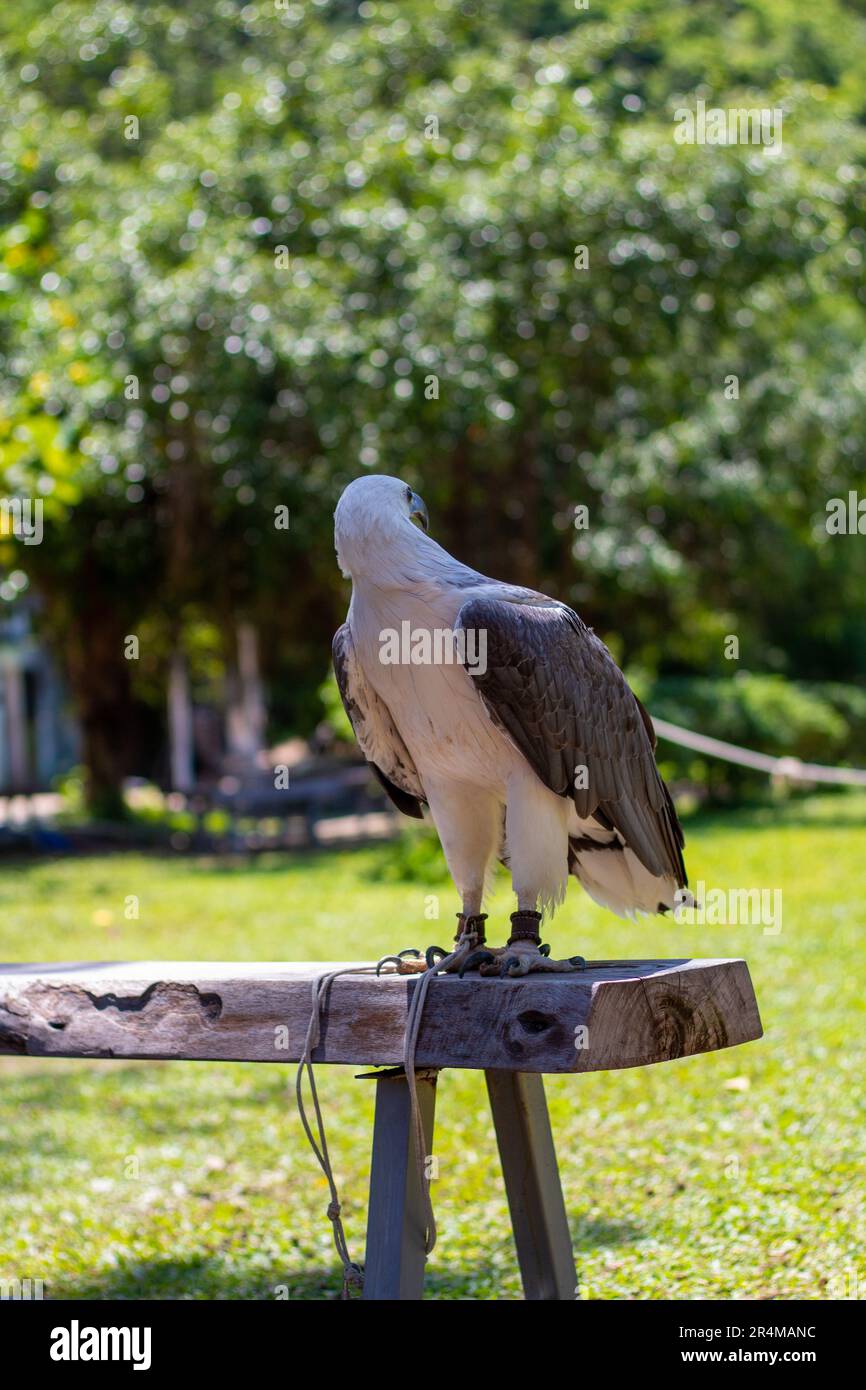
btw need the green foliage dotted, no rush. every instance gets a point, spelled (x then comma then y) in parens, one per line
(816, 723)
(415, 857)
(849, 702)
(430, 170)
(335, 714)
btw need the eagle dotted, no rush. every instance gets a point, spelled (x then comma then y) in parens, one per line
(498, 709)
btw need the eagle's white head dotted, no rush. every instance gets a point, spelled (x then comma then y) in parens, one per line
(375, 516)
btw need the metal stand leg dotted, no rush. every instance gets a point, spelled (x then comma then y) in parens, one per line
(532, 1183)
(394, 1266)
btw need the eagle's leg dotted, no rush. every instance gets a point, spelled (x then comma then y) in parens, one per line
(536, 832)
(470, 936)
(470, 830)
(523, 953)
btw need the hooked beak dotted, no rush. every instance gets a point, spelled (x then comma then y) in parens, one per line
(418, 512)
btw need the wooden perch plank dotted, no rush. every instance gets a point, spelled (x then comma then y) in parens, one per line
(614, 1014)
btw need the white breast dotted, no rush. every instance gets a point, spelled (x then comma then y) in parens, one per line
(435, 706)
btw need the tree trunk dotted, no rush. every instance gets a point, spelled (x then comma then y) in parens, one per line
(180, 735)
(245, 706)
(100, 680)
(16, 727)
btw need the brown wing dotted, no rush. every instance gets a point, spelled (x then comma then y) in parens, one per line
(375, 730)
(553, 687)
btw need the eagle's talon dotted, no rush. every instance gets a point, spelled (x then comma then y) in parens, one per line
(386, 960)
(516, 961)
(433, 954)
(474, 959)
(407, 962)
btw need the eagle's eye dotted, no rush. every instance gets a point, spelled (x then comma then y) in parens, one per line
(409, 495)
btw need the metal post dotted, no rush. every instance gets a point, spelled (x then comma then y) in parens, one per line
(532, 1184)
(395, 1260)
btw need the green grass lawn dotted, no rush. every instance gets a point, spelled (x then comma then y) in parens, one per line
(737, 1174)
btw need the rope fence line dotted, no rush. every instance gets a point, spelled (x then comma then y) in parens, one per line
(786, 768)
(19, 808)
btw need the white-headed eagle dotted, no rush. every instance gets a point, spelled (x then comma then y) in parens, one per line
(502, 711)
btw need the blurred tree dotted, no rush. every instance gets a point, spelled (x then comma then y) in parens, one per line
(250, 250)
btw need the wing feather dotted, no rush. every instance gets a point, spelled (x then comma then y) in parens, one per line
(552, 686)
(375, 729)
